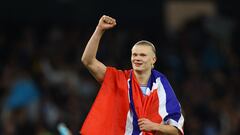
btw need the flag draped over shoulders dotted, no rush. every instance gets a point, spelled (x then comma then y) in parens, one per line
(109, 110)
(120, 103)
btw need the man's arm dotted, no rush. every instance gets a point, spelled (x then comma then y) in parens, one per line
(160, 129)
(97, 68)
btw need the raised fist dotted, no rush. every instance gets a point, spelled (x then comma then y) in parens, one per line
(106, 22)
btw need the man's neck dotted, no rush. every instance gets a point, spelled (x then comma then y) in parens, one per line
(142, 77)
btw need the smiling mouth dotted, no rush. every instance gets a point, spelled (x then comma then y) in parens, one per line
(137, 64)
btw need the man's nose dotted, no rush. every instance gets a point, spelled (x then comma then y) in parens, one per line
(137, 58)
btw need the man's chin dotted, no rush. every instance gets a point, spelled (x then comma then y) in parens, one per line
(138, 69)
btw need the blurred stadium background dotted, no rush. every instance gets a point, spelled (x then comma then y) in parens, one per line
(43, 83)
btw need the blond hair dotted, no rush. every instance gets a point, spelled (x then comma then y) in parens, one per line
(146, 43)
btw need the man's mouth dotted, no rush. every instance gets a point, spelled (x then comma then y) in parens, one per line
(137, 64)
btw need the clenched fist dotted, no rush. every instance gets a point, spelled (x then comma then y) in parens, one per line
(106, 22)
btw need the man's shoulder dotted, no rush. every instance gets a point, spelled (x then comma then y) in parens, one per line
(159, 74)
(118, 70)
(114, 70)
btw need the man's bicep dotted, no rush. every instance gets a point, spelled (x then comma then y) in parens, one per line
(97, 69)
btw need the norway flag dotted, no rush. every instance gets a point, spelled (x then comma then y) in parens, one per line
(120, 103)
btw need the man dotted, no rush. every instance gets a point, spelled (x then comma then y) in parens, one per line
(130, 102)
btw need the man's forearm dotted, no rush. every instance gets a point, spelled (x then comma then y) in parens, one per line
(166, 130)
(90, 51)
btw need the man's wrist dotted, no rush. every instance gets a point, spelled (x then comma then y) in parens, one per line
(99, 32)
(156, 127)
(100, 29)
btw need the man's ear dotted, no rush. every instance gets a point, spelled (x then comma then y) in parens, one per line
(154, 59)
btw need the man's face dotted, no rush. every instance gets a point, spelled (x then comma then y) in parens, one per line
(142, 58)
